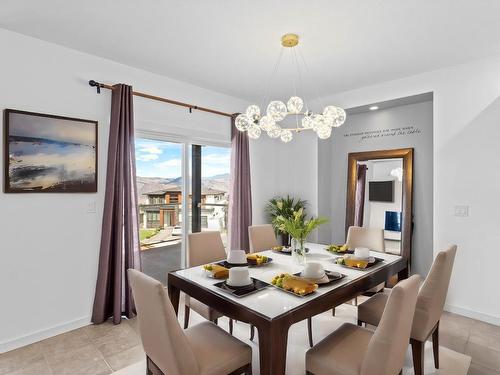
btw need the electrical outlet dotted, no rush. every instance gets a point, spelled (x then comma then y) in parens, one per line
(462, 211)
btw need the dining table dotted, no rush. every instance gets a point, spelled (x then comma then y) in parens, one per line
(272, 310)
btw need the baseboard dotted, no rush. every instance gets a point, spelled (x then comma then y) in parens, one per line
(6, 346)
(473, 314)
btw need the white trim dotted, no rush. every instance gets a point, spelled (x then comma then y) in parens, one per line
(473, 314)
(43, 334)
(171, 137)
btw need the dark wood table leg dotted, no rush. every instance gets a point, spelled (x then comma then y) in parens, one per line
(174, 294)
(273, 341)
(403, 274)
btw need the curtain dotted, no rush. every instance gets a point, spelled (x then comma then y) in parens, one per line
(240, 195)
(120, 229)
(360, 195)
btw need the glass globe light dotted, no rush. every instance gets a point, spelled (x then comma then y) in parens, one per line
(318, 121)
(277, 110)
(295, 104)
(324, 132)
(307, 122)
(274, 132)
(266, 123)
(336, 115)
(253, 112)
(254, 132)
(242, 122)
(286, 135)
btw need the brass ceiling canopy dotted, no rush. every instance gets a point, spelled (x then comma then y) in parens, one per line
(289, 40)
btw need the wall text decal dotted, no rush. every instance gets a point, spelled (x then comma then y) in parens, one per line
(383, 133)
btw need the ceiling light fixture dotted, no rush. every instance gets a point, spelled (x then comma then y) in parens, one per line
(373, 108)
(253, 122)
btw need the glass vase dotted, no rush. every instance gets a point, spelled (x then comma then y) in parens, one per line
(298, 251)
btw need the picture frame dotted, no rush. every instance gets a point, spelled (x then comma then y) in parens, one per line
(45, 153)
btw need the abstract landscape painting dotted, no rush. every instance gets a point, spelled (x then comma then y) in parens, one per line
(45, 153)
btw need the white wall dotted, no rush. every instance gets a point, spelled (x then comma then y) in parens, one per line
(49, 243)
(280, 169)
(466, 172)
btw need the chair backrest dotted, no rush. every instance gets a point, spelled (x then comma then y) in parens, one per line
(162, 337)
(372, 238)
(261, 237)
(387, 348)
(204, 247)
(432, 295)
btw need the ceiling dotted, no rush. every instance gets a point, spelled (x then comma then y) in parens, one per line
(231, 45)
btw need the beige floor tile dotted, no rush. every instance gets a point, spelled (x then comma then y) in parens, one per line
(38, 368)
(117, 340)
(484, 350)
(463, 321)
(83, 361)
(126, 358)
(480, 370)
(134, 323)
(94, 331)
(19, 358)
(490, 329)
(65, 342)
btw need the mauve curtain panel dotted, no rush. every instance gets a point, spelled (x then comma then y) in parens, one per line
(120, 228)
(360, 195)
(240, 194)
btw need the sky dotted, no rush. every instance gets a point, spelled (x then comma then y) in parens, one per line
(51, 128)
(163, 159)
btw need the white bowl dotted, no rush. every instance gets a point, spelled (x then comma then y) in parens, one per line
(239, 276)
(237, 257)
(362, 252)
(313, 270)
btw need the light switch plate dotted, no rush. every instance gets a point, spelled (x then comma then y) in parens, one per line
(91, 208)
(462, 211)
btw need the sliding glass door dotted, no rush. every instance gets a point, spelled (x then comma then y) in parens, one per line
(174, 178)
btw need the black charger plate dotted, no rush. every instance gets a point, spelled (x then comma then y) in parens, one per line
(241, 291)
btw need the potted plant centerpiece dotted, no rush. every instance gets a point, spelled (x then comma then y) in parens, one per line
(298, 227)
(281, 207)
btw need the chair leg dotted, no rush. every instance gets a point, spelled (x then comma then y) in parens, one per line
(417, 349)
(401, 372)
(230, 326)
(333, 311)
(435, 345)
(309, 332)
(248, 371)
(355, 301)
(360, 323)
(216, 321)
(252, 332)
(187, 310)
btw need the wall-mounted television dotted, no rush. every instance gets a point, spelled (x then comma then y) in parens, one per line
(381, 191)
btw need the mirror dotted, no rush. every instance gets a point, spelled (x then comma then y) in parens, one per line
(379, 195)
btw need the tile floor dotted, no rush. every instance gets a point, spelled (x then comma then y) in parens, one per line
(102, 349)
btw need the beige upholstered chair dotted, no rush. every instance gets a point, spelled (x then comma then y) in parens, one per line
(261, 237)
(203, 248)
(371, 238)
(356, 350)
(430, 303)
(202, 349)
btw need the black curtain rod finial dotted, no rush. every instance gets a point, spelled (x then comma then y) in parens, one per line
(95, 84)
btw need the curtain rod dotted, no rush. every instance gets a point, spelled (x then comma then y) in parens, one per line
(98, 85)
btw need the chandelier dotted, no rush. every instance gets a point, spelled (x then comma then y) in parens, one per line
(254, 123)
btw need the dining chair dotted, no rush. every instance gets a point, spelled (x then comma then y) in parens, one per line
(430, 303)
(261, 237)
(203, 248)
(203, 349)
(372, 238)
(357, 350)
